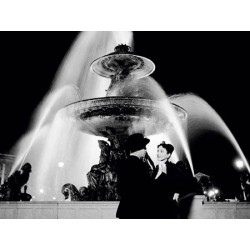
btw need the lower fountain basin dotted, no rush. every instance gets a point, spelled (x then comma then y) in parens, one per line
(114, 116)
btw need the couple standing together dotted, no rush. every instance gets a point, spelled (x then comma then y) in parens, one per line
(149, 192)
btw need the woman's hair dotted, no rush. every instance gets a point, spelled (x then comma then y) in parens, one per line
(168, 147)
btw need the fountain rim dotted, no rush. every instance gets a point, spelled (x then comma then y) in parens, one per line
(124, 98)
(145, 59)
(120, 97)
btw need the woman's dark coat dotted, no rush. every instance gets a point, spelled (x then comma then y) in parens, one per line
(179, 180)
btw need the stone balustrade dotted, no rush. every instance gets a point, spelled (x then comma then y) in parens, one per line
(107, 210)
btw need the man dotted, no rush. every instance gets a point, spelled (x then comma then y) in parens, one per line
(135, 178)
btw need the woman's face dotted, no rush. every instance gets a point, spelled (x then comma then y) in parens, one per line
(162, 154)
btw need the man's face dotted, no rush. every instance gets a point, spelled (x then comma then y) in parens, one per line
(142, 152)
(162, 154)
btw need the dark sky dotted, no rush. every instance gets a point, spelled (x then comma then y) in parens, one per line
(214, 65)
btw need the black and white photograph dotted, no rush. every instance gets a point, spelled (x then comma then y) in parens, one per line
(124, 125)
(124, 110)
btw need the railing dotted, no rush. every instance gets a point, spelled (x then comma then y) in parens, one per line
(107, 210)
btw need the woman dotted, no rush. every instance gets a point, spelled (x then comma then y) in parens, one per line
(166, 184)
(174, 183)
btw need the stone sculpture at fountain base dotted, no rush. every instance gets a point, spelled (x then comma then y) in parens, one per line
(11, 189)
(102, 178)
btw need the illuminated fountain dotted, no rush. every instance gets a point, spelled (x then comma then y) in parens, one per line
(83, 108)
(113, 117)
(125, 110)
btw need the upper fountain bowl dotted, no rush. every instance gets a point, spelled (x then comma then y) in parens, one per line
(123, 62)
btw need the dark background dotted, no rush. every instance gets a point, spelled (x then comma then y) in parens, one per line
(214, 65)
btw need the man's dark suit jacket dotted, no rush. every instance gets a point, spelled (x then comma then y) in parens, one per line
(135, 187)
(144, 197)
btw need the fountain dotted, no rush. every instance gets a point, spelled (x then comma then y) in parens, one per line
(102, 101)
(113, 117)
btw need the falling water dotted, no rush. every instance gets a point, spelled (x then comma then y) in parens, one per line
(52, 140)
(75, 67)
(201, 116)
(168, 109)
(54, 99)
(148, 88)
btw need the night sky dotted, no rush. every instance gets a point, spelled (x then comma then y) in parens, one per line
(214, 65)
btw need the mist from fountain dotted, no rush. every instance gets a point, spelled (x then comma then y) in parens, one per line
(75, 68)
(73, 81)
(52, 102)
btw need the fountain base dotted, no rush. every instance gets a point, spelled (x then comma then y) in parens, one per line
(107, 210)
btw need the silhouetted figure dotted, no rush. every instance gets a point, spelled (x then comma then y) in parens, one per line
(134, 180)
(101, 177)
(3, 192)
(70, 192)
(85, 194)
(245, 187)
(105, 151)
(25, 196)
(16, 181)
(205, 183)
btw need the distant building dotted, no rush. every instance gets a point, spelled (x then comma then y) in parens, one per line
(6, 163)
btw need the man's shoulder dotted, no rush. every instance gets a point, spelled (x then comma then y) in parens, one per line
(133, 158)
(130, 161)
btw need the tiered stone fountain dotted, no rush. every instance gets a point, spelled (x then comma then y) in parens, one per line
(113, 117)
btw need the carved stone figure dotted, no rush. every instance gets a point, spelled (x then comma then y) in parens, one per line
(102, 177)
(70, 192)
(11, 189)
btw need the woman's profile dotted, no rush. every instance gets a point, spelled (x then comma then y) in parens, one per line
(173, 183)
